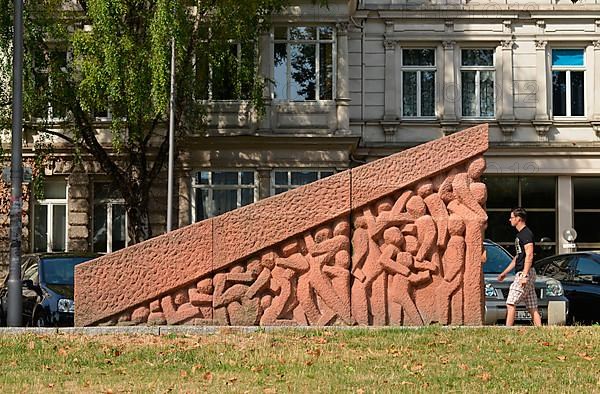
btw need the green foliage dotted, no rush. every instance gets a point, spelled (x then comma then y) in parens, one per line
(85, 58)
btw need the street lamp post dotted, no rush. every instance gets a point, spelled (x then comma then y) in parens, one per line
(15, 303)
(171, 141)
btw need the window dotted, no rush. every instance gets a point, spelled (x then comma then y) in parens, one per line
(586, 212)
(588, 269)
(304, 65)
(537, 194)
(558, 268)
(219, 76)
(110, 219)
(217, 192)
(418, 82)
(477, 82)
(284, 180)
(50, 219)
(568, 82)
(51, 69)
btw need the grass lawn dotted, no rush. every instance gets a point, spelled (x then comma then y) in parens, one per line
(433, 359)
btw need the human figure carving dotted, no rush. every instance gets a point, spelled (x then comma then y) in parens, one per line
(177, 309)
(389, 214)
(453, 263)
(461, 188)
(399, 264)
(156, 316)
(473, 288)
(283, 282)
(231, 294)
(361, 251)
(315, 280)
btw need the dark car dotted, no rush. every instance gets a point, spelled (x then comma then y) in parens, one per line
(47, 289)
(579, 274)
(552, 304)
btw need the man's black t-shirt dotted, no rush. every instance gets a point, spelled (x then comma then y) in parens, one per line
(524, 237)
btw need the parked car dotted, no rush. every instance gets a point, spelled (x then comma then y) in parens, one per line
(579, 274)
(47, 289)
(552, 303)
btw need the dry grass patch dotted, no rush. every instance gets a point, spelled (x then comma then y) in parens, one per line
(433, 359)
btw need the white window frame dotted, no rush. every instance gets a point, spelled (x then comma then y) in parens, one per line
(50, 203)
(110, 202)
(478, 70)
(210, 187)
(568, 96)
(418, 69)
(289, 171)
(318, 41)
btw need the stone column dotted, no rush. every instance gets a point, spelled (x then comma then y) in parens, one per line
(506, 111)
(565, 210)
(79, 212)
(507, 88)
(450, 90)
(185, 198)
(342, 96)
(392, 110)
(596, 109)
(541, 109)
(542, 120)
(264, 183)
(266, 69)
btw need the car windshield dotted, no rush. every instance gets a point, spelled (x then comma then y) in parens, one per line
(497, 259)
(60, 270)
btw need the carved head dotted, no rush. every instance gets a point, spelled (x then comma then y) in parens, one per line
(476, 168)
(237, 269)
(254, 266)
(393, 236)
(425, 188)
(416, 207)
(384, 205)
(342, 227)
(322, 234)
(205, 286)
(360, 221)
(268, 259)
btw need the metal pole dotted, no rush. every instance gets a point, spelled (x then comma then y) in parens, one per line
(15, 303)
(171, 141)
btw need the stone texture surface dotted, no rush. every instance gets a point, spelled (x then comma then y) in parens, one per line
(408, 252)
(115, 282)
(386, 175)
(246, 230)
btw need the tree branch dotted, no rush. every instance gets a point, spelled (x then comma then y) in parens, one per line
(94, 148)
(54, 133)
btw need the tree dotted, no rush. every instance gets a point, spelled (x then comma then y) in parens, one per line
(85, 57)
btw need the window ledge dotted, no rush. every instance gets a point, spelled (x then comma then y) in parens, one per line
(569, 119)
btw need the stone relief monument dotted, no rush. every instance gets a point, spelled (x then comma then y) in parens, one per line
(394, 242)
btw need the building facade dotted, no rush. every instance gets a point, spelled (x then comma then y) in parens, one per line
(357, 81)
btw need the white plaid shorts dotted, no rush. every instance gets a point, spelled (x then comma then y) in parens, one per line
(523, 294)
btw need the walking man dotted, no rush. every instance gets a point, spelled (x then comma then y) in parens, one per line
(523, 287)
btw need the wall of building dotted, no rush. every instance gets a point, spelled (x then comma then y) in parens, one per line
(364, 121)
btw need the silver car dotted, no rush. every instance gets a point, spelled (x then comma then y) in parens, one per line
(552, 303)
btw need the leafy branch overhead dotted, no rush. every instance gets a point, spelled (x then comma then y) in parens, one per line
(90, 60)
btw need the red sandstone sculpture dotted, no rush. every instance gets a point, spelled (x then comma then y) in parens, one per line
(394, 242)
